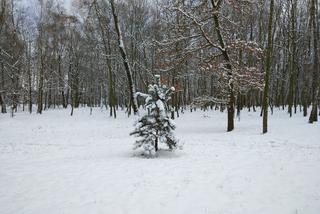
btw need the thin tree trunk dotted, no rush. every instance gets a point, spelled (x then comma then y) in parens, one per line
(2, 96)
(125, 59)
(40, 87)
(268, 67)
(41, 72)
(292, 58)
(29, 87)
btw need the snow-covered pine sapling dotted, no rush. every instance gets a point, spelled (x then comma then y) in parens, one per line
(155, 126)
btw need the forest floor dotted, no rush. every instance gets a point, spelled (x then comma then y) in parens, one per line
(55, 163)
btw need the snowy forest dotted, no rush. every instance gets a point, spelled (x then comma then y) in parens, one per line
(218, 54)
(223, 96)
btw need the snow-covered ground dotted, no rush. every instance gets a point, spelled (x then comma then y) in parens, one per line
(54, 163)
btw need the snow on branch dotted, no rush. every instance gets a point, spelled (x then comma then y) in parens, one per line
(248, 46)
(199, 24)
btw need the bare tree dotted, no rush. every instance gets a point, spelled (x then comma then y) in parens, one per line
(132, 89)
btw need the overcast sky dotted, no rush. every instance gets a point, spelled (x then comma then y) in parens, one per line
(33, 4)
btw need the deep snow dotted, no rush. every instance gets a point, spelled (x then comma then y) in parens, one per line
(55, 163)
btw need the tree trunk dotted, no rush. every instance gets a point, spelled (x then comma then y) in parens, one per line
(315, 89)
(41, 71)
(231, 98)
(3, 105)
(125, 59)
(292, 59)
(40, 87)
(268, 67)
(2, 97)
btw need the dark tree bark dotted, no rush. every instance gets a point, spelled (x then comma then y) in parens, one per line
(231, 97)
(2, 101)
(315, 80)
(125, 59)
(41, 70)
(268, 68)
(107, 49)
(28, 51)
(61, 84)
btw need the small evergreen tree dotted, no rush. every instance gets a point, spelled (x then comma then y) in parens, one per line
(155, 126)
